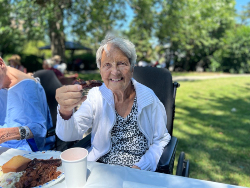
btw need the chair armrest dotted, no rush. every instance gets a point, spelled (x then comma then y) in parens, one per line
(166, 162)
(84, 143)
(51, 132)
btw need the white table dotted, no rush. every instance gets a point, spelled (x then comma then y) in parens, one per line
(109, 176)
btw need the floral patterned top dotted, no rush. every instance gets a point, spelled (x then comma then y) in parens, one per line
(128, 142)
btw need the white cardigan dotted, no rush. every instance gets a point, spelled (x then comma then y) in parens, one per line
(98, 112)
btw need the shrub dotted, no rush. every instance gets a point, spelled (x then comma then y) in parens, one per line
(32, 62)
(87, 59)
(235, 56)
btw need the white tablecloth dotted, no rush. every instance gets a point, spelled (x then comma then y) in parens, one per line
(109, 176)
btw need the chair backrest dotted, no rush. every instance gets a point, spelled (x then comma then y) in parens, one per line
(160, 81)
(50, 83)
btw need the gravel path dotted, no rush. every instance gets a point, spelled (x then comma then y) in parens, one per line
(191, 78)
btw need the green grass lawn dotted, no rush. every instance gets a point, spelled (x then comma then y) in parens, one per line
(94, 76)
(215, 139)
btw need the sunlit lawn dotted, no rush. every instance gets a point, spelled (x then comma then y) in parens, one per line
(91, 76)
(215, 138)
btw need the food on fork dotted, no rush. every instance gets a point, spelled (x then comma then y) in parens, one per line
(16, 164)
(88, 84)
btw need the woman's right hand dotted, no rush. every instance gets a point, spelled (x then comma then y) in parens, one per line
(68, 97)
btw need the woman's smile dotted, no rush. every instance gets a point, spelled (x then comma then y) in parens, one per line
(116, 80)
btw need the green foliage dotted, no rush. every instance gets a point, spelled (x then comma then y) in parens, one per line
(32, 62)
(201, 33)
(141, 27)
(43, 18)
(94, 19)
(90, 76)
(41, 14)
(214, 65)
(86, 18)
(11, 38)
(32, 47)
(34, 23)
(245, 14)
(234, 56)
(195, 29)
(88, 59)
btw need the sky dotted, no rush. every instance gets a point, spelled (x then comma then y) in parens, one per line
(240, 3)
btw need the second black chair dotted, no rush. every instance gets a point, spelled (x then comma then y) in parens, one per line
(50, 83)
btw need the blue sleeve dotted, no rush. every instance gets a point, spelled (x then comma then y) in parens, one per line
(26, 107)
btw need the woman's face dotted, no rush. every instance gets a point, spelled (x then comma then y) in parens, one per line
(2, 72)
(115, 69)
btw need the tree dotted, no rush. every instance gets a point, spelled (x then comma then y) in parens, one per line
(195, 29)
(42, 17)
(234, 56)
(245, 14)
(11, 38)
(142, 27)
(94, 19)
(86, 18)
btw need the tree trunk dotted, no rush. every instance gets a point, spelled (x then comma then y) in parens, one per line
(187, 62)
(56, 33)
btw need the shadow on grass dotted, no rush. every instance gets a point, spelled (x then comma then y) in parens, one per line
(216, 139)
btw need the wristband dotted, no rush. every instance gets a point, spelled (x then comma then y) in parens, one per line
(27, 136)
(24, 132)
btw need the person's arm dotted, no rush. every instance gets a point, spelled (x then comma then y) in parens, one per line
(28, 107)
(161, 138)
(12, 133)
(71, 126)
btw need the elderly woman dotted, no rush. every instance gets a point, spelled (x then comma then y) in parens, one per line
(128, 121)
(48, 65)
(25, 115)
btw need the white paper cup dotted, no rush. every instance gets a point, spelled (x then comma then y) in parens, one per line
(74, 162)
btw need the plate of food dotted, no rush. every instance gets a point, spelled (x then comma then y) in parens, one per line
(35, 169)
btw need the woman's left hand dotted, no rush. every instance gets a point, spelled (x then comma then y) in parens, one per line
(136, 167)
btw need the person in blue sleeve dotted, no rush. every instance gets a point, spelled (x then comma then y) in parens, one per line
(24, 114)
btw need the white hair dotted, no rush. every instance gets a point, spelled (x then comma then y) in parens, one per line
(127, 47)
(49, 62)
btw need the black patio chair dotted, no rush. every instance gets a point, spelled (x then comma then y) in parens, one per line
(160, 81)
(50, 83)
